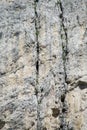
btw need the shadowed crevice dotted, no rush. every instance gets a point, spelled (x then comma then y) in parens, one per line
(37, 42)
(64, 42)
(37, 22)
(2, 124)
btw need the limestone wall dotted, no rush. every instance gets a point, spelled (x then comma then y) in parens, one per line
(43, 64)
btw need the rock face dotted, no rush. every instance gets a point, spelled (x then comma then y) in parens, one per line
(43, 65)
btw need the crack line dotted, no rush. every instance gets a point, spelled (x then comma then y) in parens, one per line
(64, 39)
(37, 23)
(37, 42)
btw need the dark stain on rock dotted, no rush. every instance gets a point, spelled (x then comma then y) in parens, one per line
(9, 128)
(32, 123)
(2, 124)
(55, 112)
(2, 73)
(37, 0)
(0, 35)
(64, 110)
(61, 126)
(62, 98)
(82, 85)
(44, 128)
(18, 7)
(56, 102)
(16, 33)
(42, 90)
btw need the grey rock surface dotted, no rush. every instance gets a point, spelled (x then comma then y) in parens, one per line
(43, 65)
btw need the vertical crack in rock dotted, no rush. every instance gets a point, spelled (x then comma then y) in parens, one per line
(37, 22)
(37, 43)
(64, 38)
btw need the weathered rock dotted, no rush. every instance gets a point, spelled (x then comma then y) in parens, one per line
(43, 65)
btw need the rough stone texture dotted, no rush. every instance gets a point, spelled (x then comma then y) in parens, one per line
(43, 64)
